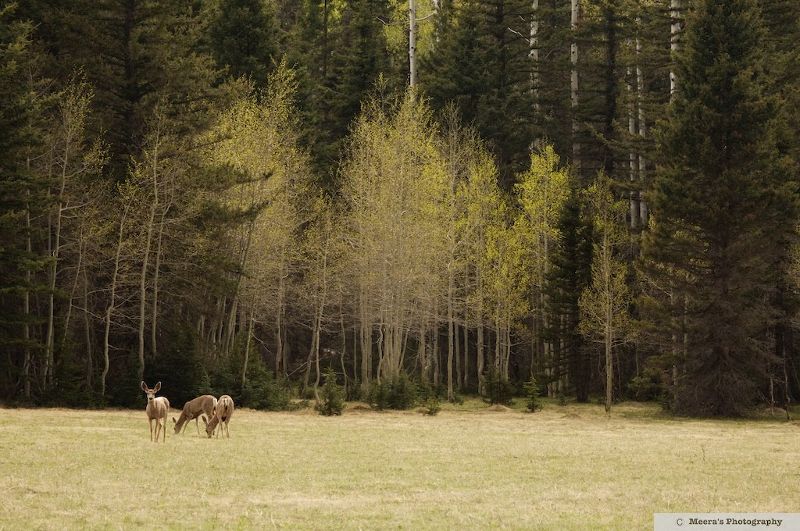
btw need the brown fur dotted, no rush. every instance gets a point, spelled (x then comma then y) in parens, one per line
(157, 409)
(222, 416)
(193, 409)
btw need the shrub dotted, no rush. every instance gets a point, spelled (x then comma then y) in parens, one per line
(647, 386)
(532, 394)
(403, 393)
(353, 391)
(331, 396)
(400, 393)
(378, 396)
(263, 391)
(432, 405)
(561, 397)
(498, 389)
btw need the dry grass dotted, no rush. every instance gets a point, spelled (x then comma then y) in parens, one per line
(562, 468)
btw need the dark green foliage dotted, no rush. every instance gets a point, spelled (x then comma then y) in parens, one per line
(378, 396)
(481, 63)
(532, 392)
(498, 389)
(263, 391)
(243, 38)
(22, 197)
(331, 396)
(403, 393)
(432, 405)
(648, 386)
(561, 396)
(178, 366)
(570, 273)
(722, 205)
(353, 393)
(400, 393)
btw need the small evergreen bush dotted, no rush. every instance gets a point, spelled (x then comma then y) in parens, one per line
(498, 389)
(331, 396)
(532, 394)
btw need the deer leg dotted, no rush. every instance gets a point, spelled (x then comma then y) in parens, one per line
(150, 422)
(197, 424)
(164, 427)
(158, 428)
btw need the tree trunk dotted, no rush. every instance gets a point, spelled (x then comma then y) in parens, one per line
(479, 361)
(534, 54)
(146, 259)
(456, 338)
(55, 255)
(68, 316)
(632, 157)
(643, 215)
(87, 330)
(112, 296)
(247, 351)
(465, 383)
(674, 36)
(26, 302)
(450, 335)
(412, 43)
(574, 86)
(157, 269)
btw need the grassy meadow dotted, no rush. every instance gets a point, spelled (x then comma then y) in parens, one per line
(471, 466)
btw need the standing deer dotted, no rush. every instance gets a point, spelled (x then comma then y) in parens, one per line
(193, 409)
(157, 409)
(222, 414)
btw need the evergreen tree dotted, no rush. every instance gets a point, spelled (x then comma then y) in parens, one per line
(570, 274)
(243, 38)
(358, 60)
(482, 63)
(720, 204)
(22, 197)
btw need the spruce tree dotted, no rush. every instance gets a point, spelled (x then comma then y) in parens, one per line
(720, 205)
(481, 62)
(570, 274)
(23, 198)
(243, 38)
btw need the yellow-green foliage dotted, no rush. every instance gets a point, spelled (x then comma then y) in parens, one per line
(462, 469)
(604, 304)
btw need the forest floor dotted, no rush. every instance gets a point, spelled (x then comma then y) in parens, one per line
(471, 466)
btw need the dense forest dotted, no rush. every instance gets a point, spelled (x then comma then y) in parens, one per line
(595, 199)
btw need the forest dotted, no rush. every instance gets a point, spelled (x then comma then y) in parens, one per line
(590, 200)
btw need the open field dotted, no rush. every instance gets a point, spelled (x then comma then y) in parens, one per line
(469, 467)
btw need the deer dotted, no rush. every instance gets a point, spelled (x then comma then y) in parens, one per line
(222, 416)
(157, 409)
(194, 409)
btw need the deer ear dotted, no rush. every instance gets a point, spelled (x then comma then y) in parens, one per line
(144, 387)
(157, 387)
(203, 417)
(174, 421)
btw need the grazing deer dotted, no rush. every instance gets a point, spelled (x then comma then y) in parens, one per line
(194, 409)
(222, 416)
(157, 409)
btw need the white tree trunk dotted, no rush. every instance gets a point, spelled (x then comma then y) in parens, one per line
(412, 43)
(112, 296)
(574, 86)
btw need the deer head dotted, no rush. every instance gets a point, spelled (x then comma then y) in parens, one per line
(151, 393)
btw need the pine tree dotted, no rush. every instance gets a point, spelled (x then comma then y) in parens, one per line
(570, 274)
(243, 38)
(481, 62)
(720, 204)
(22, 197)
